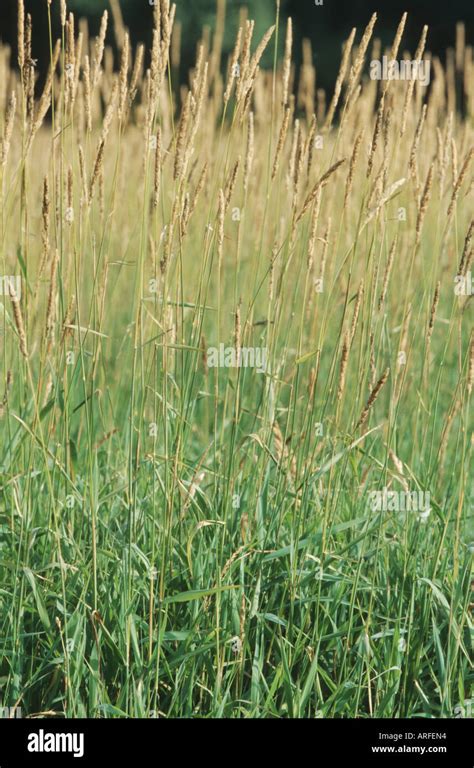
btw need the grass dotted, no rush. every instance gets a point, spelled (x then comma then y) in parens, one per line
(181, 540)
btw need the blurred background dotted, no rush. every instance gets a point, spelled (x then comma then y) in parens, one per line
(326, 25)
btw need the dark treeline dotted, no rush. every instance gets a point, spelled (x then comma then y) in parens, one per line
(326, 25)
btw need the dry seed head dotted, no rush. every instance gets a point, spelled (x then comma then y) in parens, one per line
(400, 469)
(386, 125)
(398, 37)
(421, 45)
(197, 192)
(4, 402)
(136, 73)
(18, 318)
(377, 189)
(45, 227)
(459, 181)
(411, 82)
(340, 79)
(230, 186)
(396, 46)
(43, 107)
(360, 296)
(157, 169)
(51, 306)
(467, 252)
(70, 185)
(313, 377)
(413, 164)
(373, 367)
(97, 168)
(313, 230)
(45, 211)
(170, 236)
(45, 99)
(110, 111)
(350, 176)
(405, 329)
(343, 366)
(397, 462)
(87, 93)
(320, 183)
(238, 330)
(295, 150)
(281, 141)
(63, 12)
(27, 54)
(376, 136)
(425, 199)
(249, 158)
(21, 35)
(309, 145)
(445, 143)
(197, 109)
(434, 308)
(155, 68)
(181, 138)
(204, 355)
(356, 69)
(233, 67)
(167, 19)
(245, 58)
(8, 130)
(385, 197)
(387, 273)
(299, 162)
(287, 61)
(416, 140)
(198, 70)
(251, 70)
(373, 398)
(278, 442)
(454, 159)
(123, 85)
(185, 213)
(99, 49)
(70, 46)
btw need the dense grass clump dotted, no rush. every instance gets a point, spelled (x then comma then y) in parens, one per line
(238, 363)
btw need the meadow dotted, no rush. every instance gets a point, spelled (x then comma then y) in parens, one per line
(234, 313)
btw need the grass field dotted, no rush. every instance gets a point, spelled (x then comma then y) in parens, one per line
(237, 363)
